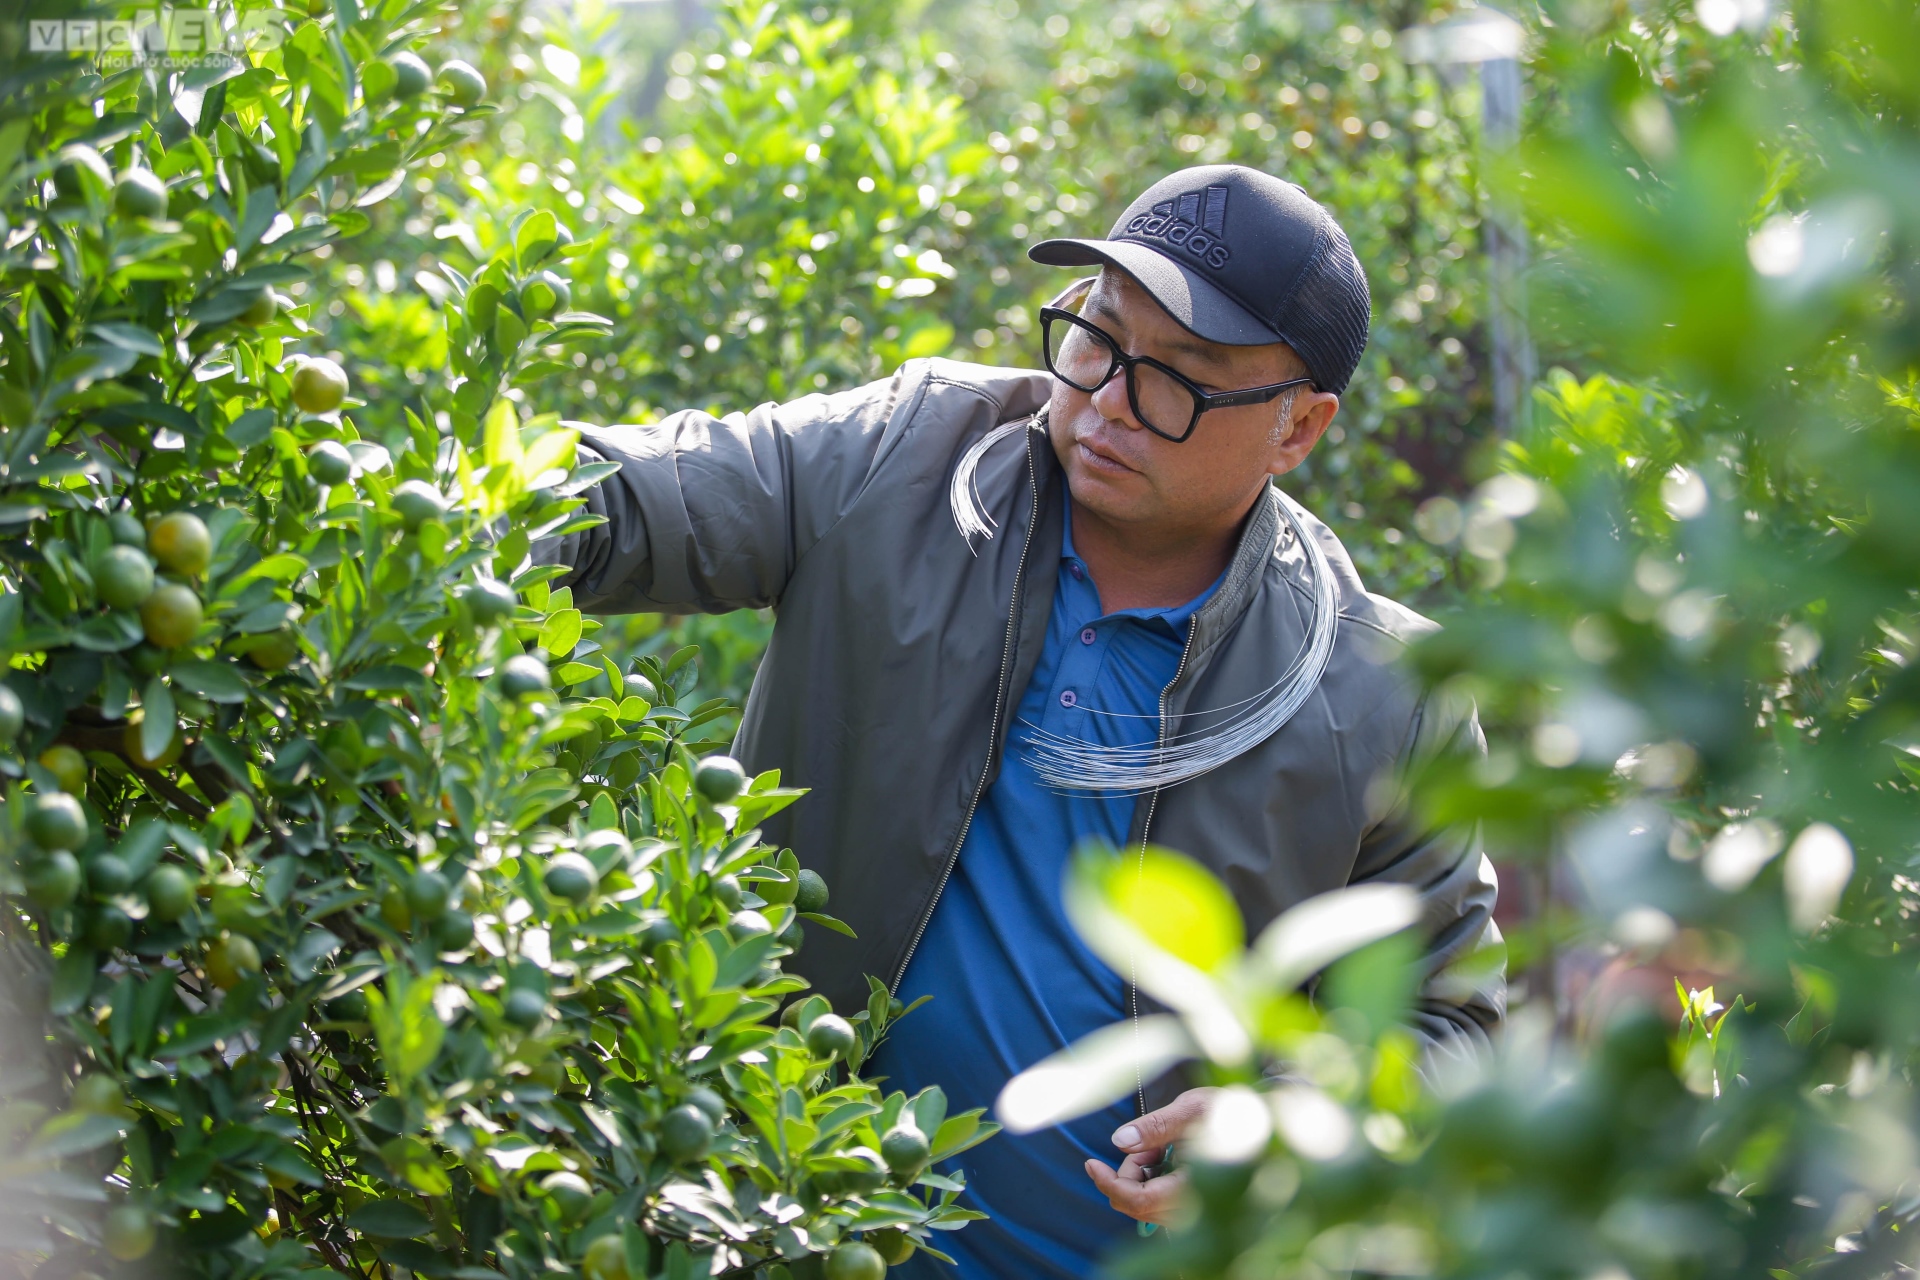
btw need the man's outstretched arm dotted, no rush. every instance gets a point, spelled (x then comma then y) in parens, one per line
(708, 514)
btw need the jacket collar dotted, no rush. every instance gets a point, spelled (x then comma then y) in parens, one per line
(1255, 550)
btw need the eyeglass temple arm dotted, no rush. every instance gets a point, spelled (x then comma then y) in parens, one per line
(1255, 395)
(1074, 294)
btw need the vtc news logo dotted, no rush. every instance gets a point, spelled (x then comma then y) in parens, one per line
(158, 37)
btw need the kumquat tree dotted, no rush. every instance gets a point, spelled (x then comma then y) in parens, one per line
(362, 945)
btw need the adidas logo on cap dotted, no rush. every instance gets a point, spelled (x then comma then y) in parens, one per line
(1195, 223)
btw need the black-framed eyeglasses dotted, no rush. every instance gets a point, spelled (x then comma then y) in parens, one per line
(1166, 401)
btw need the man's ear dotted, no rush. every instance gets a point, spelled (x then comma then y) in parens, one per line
(1312, 415)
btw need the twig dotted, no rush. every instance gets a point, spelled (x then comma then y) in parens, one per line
(292, 1210)
(88, 739)
(210, 785)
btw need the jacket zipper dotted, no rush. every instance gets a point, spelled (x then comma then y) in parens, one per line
(999, 702)
(1153, 803)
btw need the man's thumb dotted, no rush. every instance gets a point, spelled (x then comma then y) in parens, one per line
(1158, 1128)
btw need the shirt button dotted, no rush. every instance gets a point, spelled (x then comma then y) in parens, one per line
(1087, 637)
(1075, 569)
(1069, 698)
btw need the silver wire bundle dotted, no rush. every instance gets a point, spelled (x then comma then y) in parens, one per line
(1074, 764)
(963, 497)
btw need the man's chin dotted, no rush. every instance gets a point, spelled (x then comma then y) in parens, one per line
(1116, 497)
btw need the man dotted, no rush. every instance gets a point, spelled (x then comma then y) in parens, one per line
(1002, 632)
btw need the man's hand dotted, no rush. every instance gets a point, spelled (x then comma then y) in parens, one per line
(1145, 1140)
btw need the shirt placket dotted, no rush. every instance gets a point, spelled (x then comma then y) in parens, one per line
(1079, 670)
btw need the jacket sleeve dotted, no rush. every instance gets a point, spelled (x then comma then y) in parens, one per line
(709, 514)
(1463, 992)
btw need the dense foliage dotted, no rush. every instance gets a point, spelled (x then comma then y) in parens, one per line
(1691, 646)
(817, 191)
(339, 933)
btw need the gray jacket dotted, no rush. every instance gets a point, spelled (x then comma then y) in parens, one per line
(899, 652)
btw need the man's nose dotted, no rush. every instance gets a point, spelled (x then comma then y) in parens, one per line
(1112, 402)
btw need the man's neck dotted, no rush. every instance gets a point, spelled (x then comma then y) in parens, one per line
(1132, 569)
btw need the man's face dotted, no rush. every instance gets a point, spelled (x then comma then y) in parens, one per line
(1127, 475)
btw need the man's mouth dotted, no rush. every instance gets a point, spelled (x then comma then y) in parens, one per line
(1100, 459)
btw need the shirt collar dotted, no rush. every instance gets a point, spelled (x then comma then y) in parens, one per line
(1174, 616)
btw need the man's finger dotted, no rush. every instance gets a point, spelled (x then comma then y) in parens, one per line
(1151, 1201)
(1158, 1128)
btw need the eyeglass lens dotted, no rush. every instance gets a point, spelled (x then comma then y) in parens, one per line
(1082, 358)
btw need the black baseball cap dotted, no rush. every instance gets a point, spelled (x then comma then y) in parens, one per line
(1242, 258)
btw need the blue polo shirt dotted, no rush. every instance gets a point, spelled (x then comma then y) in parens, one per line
(1011, 982)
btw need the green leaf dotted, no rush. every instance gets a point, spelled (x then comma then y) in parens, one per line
(930, 1109)
(132, 337)
(957, 1134)
(78, 1131)
(603, 814)
(73, 977)
(553, 449)
(406, 1024)
(607, 924)
(1172, 902)
(94, 362)
(284, 567)
(509, 330)
(561, 633)
(214, 680)
(314, 154)
(310, 952)
(251, 427)
(414, 1163)
(536, 236)
(569, 324)
(13, 136)
(542, 791)
(1313, 934)
(500, 443)
(389, 1220)
(231, 298)
(569, 673)
(741, 963)
(838, 926)
(843, 1115)
(483, 304)
(268, 617)
(585, 477)
(108, 632)
(142, 846)
(152, 413)
(384, 676)
(159, 721)
(1094, 1072)
(287, 1161)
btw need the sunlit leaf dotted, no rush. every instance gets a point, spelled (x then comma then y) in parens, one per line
(1093, 1073)
(1309, 937)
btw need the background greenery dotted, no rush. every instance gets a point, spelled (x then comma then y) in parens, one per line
(790, 197)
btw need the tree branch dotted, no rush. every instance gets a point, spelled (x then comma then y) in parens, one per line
(90, 739)
(292, 1210)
